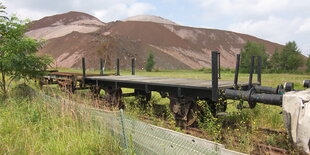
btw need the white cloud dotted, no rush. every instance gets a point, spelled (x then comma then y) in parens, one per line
(139, 8)
(26, 13)
(106, 10)
(278, 30)
(305, 26)
(252, 7)
(120, 11)
(272, 28)
(275, 20)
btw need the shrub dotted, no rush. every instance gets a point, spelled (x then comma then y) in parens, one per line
(150, 62)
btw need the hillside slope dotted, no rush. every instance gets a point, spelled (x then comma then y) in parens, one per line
(74, 35)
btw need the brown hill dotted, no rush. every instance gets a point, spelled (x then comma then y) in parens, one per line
(66, 18)
(63, 24)
(74, 35)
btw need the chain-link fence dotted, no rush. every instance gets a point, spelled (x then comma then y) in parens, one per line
(137, 137)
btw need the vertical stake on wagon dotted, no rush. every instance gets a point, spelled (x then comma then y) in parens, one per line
(237, 71)
(259, 70)
(214, 75)
(101, 66)
(251, 71)
(219, 65)
(117, 67)
(84, 70)
(133, 65)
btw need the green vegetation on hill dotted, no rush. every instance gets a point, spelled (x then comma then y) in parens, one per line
(150, 62)
(287, 59)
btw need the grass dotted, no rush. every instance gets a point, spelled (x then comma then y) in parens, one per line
(29, 125)
(241, 130)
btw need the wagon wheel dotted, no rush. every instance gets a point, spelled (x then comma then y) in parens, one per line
(184, 111)
(143, 97)
(114, 97)
(217, 107)
(67, 85)
(95, 91)
(62, 84)
(71, 86)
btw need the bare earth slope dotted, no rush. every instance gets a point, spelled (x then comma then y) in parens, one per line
(63, 24)
(74, 35)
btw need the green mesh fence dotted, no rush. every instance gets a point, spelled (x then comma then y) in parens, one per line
(136, 137)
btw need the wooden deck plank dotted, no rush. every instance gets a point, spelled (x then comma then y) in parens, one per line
(164, 81)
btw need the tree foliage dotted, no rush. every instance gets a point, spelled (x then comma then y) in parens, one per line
(308, 63)
(289, 58)
(18, 58)
(2, 11)
(275, 61)
(150, 62)
(104, 50)
(252, 49)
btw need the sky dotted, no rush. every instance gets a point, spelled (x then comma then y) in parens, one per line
(278, 21)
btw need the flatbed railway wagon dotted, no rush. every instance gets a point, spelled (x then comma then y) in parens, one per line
(183, 93)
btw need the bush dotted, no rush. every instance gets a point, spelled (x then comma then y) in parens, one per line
(150, 62)
(23, 90)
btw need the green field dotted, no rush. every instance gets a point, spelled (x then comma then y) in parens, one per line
(240, 130)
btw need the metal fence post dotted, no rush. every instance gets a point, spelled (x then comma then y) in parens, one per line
(123, 128)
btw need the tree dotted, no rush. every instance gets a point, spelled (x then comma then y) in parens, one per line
(274, 62)
(18, 57)
(2, 11)
(252, 49)
(308, 63)
(150, 62)
(290, 58)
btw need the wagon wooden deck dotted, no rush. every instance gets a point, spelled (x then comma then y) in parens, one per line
(161, 81)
